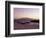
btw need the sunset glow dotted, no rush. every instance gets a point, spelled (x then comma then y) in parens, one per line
(26, 13)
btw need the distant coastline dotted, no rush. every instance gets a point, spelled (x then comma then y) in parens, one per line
(27, 19)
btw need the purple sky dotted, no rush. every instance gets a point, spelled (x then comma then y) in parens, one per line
(26, 12)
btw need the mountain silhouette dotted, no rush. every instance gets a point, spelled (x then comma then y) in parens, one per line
(25, 20)
(26, 23)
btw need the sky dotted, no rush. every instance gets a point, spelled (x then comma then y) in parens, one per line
(26, 13)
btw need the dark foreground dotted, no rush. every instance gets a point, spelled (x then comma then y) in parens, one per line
(26, 26)
(26, 23)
